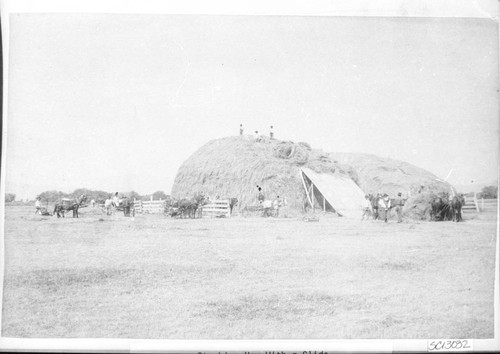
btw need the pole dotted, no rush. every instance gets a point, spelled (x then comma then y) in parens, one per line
(305, 188)
(312, 195)
(476, 203)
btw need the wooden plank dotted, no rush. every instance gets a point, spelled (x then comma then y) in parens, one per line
(216, 208)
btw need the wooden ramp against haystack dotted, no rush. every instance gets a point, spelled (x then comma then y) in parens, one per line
(333, 191)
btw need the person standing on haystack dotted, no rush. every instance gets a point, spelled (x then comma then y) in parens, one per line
(271, 132)
(241, 129)
(399, 202)
(256, 134)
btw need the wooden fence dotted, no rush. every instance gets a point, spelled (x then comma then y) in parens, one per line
(216, 208)
(488, 204)
(149, 206)
(473, 204)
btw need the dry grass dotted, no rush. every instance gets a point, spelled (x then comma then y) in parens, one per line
(155, 277)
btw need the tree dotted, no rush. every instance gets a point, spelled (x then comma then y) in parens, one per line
(134, 195)
(489, 192)
(52, 196)
(160, 195)
(9, 197)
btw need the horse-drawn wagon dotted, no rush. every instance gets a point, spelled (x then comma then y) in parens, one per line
(265, 209)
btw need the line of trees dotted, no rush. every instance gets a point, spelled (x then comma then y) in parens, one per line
(489, 192)
(52, 196)
(10, 197)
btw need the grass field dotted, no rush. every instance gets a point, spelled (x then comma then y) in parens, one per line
(246, 278)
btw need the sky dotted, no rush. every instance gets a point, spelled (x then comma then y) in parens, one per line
(117, 102)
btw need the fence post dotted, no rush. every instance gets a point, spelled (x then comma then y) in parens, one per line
(476, 202)
(482, 203)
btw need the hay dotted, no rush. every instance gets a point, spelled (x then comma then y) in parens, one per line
(419, 207)
(378, 175)
(383, 175)
(234, 166)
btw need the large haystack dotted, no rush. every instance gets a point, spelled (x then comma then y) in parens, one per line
(383, 175)
(234, 166)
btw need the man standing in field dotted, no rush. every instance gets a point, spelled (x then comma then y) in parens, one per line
(276, 206)
(126, 206)
(367, 208)
(375, 202)
(241, 129)
(108, 205)
(38, 206)
(260, 197)
(399, 202)
(116, 200)
(385, 204)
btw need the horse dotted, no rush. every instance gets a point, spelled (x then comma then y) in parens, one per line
(189, 207)
(65, 205)
(232, 203)
(456, 207)
(440, 209)
(172, 209)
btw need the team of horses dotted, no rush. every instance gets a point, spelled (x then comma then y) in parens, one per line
(181, 208)
(442, 208)
(191, 207)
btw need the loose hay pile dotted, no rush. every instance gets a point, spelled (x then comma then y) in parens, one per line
(383, 175)
(234, 166)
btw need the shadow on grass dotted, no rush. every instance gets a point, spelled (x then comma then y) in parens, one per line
(282, 308)
(55, 279)
(402, 265)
